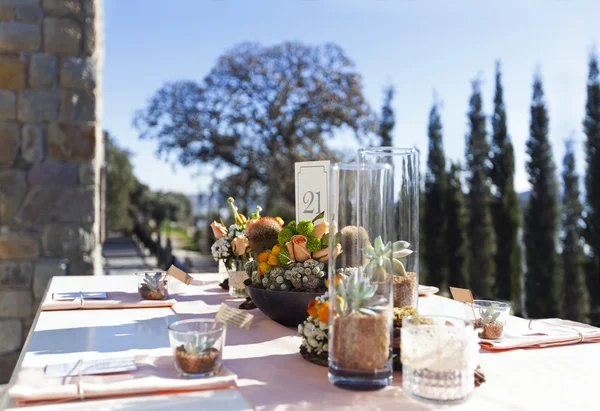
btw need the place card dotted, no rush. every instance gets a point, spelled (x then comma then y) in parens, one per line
(72, 296)
(91, 367)
(179, 275)
(462, 294)
(235, 317)
(312, 190)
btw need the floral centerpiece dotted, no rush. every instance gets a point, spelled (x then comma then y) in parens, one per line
(315, 330)
(232, 245)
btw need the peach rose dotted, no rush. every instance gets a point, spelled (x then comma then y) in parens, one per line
(218, 229)
(297, 248)
(321, 230)
(239, 245)
(323, 255)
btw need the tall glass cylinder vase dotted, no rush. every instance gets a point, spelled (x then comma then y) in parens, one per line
(360, 278)
(404, 182)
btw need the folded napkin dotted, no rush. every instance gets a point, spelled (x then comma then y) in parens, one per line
(113, 300)
(551, 332)
(153, 375)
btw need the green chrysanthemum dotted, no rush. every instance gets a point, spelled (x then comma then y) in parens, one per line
(292, 226)
(305, 228)
(313, 244)
(325, 241)
(284, 236)
(283, 256)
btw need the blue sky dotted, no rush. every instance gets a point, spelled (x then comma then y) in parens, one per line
(417, 45)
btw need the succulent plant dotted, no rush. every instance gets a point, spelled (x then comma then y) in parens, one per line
(488, 315)
(262, 234)
(275, 280)
(155, 282)
(308, 275)
(200, 345)
(386, 258)
(354, 292)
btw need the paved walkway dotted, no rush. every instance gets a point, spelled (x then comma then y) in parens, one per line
(122, 256)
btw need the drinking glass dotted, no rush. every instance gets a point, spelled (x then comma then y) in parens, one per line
(439, 357)
(490, 318)
(153, 285)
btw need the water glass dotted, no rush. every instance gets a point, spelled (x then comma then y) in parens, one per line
(197, 346)
(489, 317)
(439, 357)
(153, 285)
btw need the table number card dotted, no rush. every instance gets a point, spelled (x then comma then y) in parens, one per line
(463, 295)
(312, 189)
(180, 275)
(235, 317)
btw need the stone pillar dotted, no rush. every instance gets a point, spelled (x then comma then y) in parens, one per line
(51, 152)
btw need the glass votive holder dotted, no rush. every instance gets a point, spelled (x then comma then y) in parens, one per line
(489, 317)
(153, 285)
(439, 356)
(197, 346)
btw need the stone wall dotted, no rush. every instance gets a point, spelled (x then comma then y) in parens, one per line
(51, 152)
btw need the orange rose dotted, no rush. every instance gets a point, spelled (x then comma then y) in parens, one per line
(239, 245)
(273, 260)
(321, 230)
(312, 308)
(263, 267)
(263, 257)
(323, 312)
(218, 229)
(323, 255)
(297, 248)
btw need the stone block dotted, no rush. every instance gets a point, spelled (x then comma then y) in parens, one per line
(17, 36)
(54, 173)
(7, 364)
(11, 335)
(38, 106)
(45, 269)
(88, 7)
(13, 188)
(77, 106)
(9, 143)
(28, 11)
(47, 204)
(62, 36)
(43, 71)
(78, 73)
(89, 36)
(12, 73)
(15, 303)
(8, 105)
(62, 8)
(18, 246)
(32, 144)
(84, 266)
(15, 275)
(87, 174)
(68, 141)
(67, 240)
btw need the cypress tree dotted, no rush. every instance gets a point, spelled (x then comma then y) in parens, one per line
(386, 125)
(456, 235)
(541, 218)
(575, 298)
(435, 210)
(506, 211)
(591, 127)
(480, 227)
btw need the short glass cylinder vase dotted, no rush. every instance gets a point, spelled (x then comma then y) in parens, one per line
(153, 285)
(237, 276)
(439, 357)
(489, 318)
(404, 196)
(197, 347)
(360, 278)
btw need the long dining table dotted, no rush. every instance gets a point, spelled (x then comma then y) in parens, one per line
(271, 373)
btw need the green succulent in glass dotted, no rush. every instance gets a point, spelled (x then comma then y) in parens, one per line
(386, 258)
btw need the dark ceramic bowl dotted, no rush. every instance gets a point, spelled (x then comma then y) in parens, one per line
(285, 307)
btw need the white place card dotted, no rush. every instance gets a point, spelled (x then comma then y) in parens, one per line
(91, 367)
(312, 190)
(85, 296)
